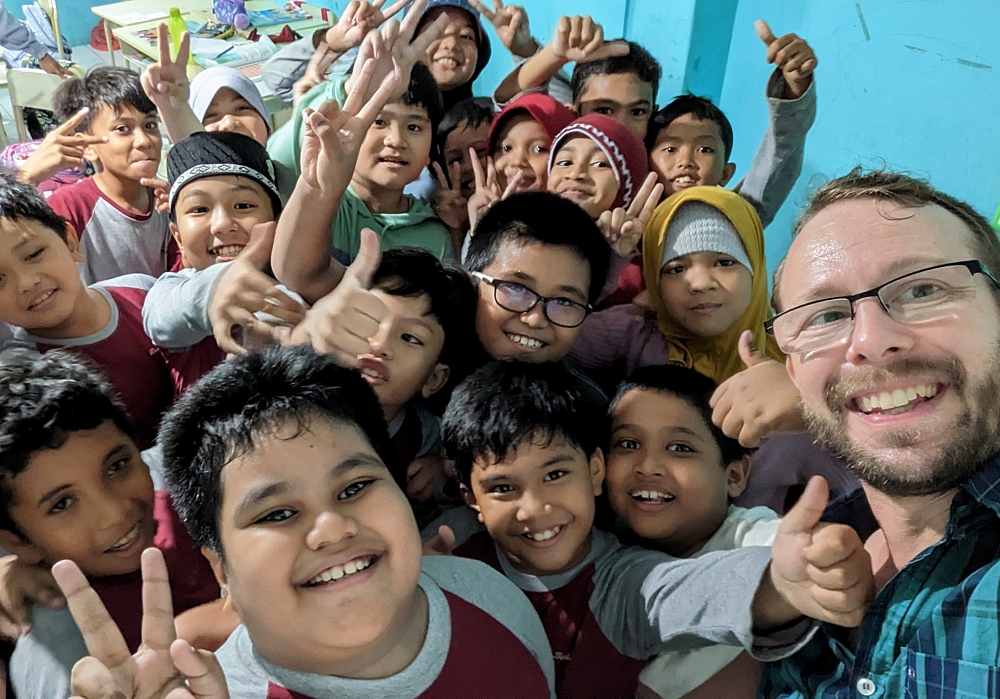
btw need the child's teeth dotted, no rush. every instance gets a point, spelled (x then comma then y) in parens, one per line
(338, 572)
(525, 341)
(546, 535)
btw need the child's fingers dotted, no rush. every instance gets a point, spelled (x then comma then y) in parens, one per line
(775, 48)
(455, 172)
(439, 176)
(203, 672)
(596, 42)
(394, 8)
(512, 185)
(764, 32)
(575, 31)
(477, 169)
(359, 86)
(163, 43)
(71, 124)
(491, 175)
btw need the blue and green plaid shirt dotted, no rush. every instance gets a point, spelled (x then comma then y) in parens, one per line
(932, 631)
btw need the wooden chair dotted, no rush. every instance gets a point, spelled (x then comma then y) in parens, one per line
(30, 88)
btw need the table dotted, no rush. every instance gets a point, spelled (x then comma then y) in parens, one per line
(122, 19)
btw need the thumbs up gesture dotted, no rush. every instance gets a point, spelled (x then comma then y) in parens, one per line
(819, 570)
(243, 290)
(792, 55)
(758, 401)
(342, 322)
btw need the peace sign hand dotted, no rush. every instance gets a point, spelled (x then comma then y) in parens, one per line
(359, 18)
(159, 668)
(488, 190)
(165, 82)
(511, 25)
(623, 227)
(60, 150)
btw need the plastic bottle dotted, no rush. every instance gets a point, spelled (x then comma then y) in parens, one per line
(176, 26)
(232, 12)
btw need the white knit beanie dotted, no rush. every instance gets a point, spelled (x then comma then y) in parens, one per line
(700, 227)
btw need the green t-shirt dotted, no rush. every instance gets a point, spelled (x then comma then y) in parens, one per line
(418, 227)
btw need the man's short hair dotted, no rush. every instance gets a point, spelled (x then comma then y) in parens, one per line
(226, 414)
(43, 398)
(104, 86)
(540, 217)
(638, 62)
(701, 108)
(19, 201)
(905, 191)
(504, 404)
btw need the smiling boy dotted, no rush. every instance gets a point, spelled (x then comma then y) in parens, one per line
(114, 215)
(44, 299)
(277, 464)
(540, 262)
(74, 486)
(526, 445)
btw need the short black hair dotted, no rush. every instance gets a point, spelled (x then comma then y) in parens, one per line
(638, 62)
(43, 398)
(692, 387)
(505, 404)
(474, 111)
(701, 108)
(451, 297)
(22, 201)
(540, 217)
(107, 86)
(423, 91)
(225, 414)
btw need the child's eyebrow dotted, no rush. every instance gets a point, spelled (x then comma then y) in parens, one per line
(557, 459)
(51, 495)
(259, 494)
(25, 240)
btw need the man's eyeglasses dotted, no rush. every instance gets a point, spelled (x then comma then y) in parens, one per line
(927, 294)
(518, 298)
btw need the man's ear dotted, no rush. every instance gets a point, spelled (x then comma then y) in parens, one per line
(727, 174)
(436, 381)
(737, 475)
(597, 471)
(22, 548)
(73, 243)
(470, 500)
(218, 567)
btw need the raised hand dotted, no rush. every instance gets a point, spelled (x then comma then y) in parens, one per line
(333, 135)
(623, 227)
(61, 149)
(165, 82)
(448, 202)
(792, 55)
(243, 290)
(820, 569)
(581, 39)
(488, 190)
(511, 25)
(396, 50)
(21, 586)
(162, 668)
(442, 543)
(322, 58)
(759, 401)
(359, 18)
(341, 323)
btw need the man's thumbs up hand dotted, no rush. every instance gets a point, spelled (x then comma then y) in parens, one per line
(343, 322)
(819, 570)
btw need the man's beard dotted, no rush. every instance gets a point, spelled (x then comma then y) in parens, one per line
(974, 438)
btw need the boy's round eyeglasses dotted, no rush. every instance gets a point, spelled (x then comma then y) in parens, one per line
(518, 298)
(927, 294)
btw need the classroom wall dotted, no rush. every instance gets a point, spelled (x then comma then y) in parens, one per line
(74, 15)
(913, 85)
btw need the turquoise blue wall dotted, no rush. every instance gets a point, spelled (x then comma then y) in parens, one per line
(913, 84)
(74, 15)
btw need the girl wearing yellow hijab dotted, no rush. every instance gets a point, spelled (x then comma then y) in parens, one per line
(704, 268)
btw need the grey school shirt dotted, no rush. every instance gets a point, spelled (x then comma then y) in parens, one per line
(442, 578)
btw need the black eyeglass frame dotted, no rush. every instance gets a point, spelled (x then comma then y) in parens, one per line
(544, 300)
(974, 266)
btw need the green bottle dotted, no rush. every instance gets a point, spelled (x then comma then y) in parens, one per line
(177, 26)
